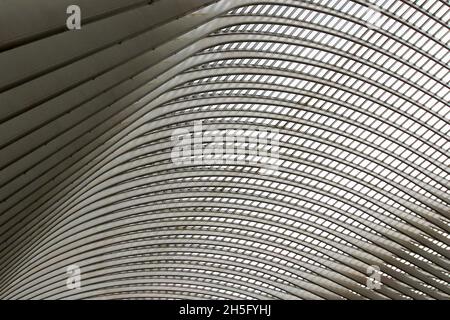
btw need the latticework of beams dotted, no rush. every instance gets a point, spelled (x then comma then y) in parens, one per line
(360, 107)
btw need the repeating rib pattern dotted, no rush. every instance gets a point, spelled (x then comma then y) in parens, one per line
(358, 92)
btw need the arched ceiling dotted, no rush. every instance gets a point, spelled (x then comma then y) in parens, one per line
(358, 92)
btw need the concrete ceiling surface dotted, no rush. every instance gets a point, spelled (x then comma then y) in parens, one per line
(355, 93)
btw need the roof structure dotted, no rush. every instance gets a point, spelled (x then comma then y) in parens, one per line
(357, 93)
